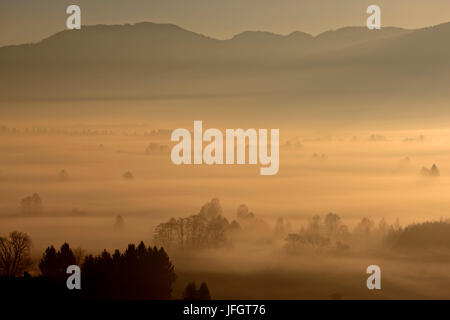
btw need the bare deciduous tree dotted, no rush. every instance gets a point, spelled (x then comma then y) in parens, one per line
(15, 254)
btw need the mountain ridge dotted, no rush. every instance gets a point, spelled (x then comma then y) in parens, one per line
(174, 27)
(150, 59)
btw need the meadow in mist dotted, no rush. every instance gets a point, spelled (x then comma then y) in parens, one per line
(86, 175)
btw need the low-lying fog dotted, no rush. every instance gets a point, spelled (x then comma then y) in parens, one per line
(87, 175)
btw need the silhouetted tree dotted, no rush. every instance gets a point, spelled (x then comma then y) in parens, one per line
(434, 172)
(15, 254)
(203, 292)
(191, 292)
(49, 264)
(65, 257)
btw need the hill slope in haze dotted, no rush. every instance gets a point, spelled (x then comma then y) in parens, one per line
(162, 60)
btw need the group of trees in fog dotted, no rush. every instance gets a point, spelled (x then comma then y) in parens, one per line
(432, 172)
(207, 229)
(31, 205)
(210, 229)
(330, 233)
(320, 233)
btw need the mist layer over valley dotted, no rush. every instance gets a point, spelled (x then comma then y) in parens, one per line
(86, 176)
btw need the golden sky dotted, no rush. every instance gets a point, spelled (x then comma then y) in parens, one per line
(24, 21)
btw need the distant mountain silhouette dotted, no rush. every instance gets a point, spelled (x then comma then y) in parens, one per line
(148, 60)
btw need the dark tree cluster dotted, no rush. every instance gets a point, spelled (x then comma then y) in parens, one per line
(138, 273)
(54, 263)
(192, 293)
(430, 235)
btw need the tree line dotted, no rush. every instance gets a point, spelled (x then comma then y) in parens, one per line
(138, 272)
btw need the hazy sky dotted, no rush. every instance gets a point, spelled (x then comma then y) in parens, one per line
(31, 20)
